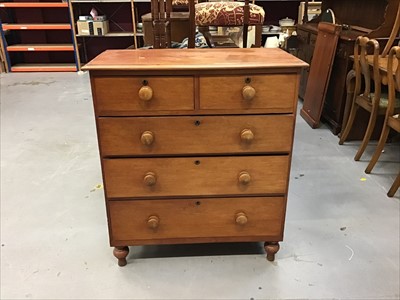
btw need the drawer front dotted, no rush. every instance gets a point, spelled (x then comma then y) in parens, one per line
(132, 94)
(195, 135)
(248, 218)
(275, 92)
(195, 176)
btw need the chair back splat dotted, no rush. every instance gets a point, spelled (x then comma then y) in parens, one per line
(161, 11)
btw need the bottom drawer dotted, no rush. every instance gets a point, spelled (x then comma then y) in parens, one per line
(196, 220)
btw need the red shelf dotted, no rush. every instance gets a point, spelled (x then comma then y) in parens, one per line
(40, 47)
(36, 26)
(33, 4)
(44, 68)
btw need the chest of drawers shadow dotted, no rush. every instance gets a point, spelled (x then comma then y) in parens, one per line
(195, 144)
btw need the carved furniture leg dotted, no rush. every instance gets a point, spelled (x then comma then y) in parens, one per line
(121, 253)
(207, 35)
(350, 86)
(271, 248)
(353, 107)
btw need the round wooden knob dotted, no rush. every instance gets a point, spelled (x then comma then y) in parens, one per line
(150, 179)
(145, 93)
(241, 218)
(153, 222)
(247, 135)
(244, 178)
(248, 92)
(147, 138)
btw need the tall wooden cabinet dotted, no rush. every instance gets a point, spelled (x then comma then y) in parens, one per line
(372, 18)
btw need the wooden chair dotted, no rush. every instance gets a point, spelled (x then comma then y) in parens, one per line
(161, 18)
(370, 99)
(392, 120)
(370, 67)
(230, 14)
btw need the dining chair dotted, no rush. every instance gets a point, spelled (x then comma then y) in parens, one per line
(392, 118)
(367, 90)
(369, 67)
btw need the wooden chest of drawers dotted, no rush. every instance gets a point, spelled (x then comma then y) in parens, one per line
(195, 145)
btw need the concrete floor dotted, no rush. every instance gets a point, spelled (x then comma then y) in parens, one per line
(341, 236)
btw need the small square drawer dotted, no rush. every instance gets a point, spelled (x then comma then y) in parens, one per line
(263, 93)
(184, 135)
(131, 95)
(195, 176)
(247, 219)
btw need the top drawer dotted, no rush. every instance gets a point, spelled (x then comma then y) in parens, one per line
(133, 94)
(273, 92)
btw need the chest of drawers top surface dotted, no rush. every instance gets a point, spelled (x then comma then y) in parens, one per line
(194, 59)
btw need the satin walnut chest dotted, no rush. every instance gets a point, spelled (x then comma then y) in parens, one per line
(195, 144)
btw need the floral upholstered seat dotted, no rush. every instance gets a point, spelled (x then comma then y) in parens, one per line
(230, 14)
(180, 2)
(226, 14)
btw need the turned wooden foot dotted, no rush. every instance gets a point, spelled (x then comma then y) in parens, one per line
(121, 253)
(271, 248)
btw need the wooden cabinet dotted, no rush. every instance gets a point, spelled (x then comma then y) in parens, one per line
(195, 144)
(372, 18)
(37, 36)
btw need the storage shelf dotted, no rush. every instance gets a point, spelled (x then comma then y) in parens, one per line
(148, 1)
(36, 26)
(48, 43)
(44, 68)
(110, 34)
(101, 1)
(40, 47)
(33, 4)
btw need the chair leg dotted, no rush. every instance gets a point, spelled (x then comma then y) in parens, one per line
(207, 35)
(350, 86)
(258, 39)
(395, 186)
(245, 35)
(378, 150)
(367, 135)
(350, 121)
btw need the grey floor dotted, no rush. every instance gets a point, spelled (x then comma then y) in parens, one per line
(341, 236)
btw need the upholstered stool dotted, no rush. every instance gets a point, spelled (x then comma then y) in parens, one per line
(180, 5)
(230, 14)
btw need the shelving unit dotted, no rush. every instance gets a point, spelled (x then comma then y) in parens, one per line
(45, 33)
(39, 36)
(122, 23)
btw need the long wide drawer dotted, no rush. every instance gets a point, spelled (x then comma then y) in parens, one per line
(254, 218)
(273, 92)
(195, 135)
(133, 94)
(195, 176)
